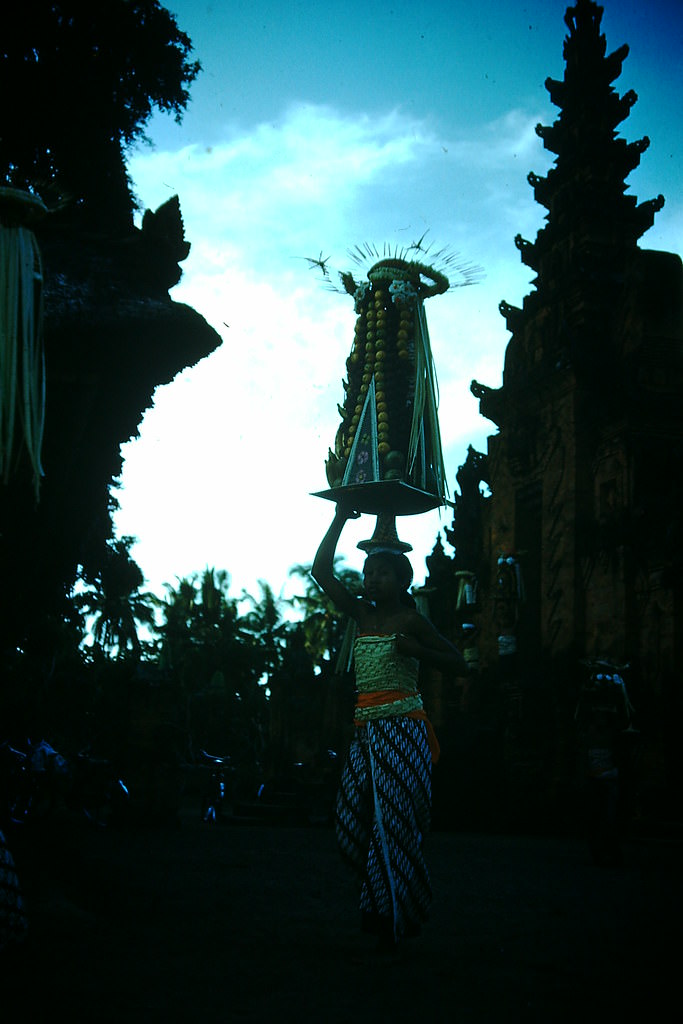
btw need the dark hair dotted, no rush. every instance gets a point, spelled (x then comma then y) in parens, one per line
(402, 570)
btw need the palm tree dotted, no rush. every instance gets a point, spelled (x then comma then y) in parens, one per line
(112, 596)
(198, 627)
(324, 628)
(215, 663)
(267, 626)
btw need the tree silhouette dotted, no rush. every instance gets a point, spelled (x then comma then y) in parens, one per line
(84, 79)
(266, 624)
(323, 627)
(215, 664)
(114, 598)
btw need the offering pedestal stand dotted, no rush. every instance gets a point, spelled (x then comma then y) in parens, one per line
(386, 499)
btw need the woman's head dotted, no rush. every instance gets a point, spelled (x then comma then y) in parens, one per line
(387, 574)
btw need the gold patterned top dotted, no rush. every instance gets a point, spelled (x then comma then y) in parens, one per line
(381, 672)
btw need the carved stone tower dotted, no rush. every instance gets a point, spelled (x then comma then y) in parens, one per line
(590, 411)
(581, 536)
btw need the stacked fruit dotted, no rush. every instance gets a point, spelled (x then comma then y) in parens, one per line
(384, 351)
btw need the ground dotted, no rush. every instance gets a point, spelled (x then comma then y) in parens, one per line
(254, 922)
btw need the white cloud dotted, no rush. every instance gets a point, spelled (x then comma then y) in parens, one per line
(266, 191)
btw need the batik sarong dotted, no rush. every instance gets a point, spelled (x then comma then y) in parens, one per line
(382, 817)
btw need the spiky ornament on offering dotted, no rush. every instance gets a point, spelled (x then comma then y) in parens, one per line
(387, 456)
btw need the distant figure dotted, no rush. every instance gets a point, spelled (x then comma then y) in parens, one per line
(603, 714)
(383, 806)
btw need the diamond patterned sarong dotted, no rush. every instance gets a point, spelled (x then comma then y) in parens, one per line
(382, 816)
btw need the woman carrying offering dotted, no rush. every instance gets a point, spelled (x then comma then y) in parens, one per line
(384, 801)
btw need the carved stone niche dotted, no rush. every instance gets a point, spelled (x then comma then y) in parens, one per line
(609, 495)
(609, 486)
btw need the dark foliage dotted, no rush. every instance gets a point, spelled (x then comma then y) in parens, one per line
(84, 79)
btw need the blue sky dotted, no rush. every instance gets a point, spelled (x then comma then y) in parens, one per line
(314, 128)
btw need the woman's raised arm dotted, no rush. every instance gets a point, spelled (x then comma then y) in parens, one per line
(322, 569)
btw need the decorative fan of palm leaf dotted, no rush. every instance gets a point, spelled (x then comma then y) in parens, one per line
(444, 262)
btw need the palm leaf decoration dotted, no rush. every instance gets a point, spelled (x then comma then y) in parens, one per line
(22, 357)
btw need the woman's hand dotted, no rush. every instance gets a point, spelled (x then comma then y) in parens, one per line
(427, 645)
(346, 512)
(408, 646)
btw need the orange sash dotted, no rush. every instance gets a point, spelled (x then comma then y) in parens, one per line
(377, 697)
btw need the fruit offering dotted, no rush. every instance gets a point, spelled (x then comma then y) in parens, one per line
(389, 428)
